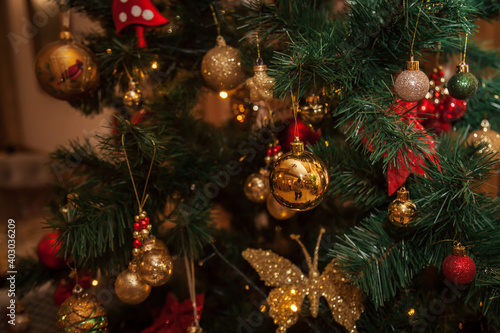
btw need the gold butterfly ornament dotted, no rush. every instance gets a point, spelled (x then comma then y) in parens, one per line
(292, 286)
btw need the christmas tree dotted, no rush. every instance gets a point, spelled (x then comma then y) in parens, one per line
(412, 234)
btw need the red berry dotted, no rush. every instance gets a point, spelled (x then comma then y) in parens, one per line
(137, 226)
(137, 243)
(143, 223)
(269, 152)
(146, 219)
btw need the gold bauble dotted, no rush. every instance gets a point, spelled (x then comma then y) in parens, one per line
(221, 67)
(260, 85)
(132, 98)
(278, 211)
(412, 84)
(299, 179)
(155, 267)
(22, 321)
(81, 314)
(66, 69)
(491, 144)
(401, 210)
(256, 187)
(312, 111)
(130, 288)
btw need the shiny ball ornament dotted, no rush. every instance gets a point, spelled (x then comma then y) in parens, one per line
(462, 85)
(132, 99)
(66, 69)
(130, 288)
(299, 179)
(312, 111)
(155, 267)
(21, 323)
(402, 209)
(47, 251)
(278, 211)
(221, 67)
(412, 84)
(82, 314)
(487, 137)
(260, 85)
(256, 187)
(459, 268)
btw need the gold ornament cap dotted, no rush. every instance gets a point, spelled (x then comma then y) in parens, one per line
(412, 65)
(259, 68)
(462, 67)
(485, 124)
(65, 35)
(297, 146)
(221, 41)
(403, 194)
(459, 250)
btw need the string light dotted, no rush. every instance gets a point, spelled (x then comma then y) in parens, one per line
(154, 65)
(95, 282)
(294, 307)
(223, 94)
(411, 312)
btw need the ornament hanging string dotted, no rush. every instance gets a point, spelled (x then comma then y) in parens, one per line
(216, 21)
(462, 55)
(141, 201)
(191, 284)
(294, 103)
(416, 25)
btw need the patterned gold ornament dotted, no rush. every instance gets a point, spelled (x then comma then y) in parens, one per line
(260, 85)
(299, 179)
(130, 288)
(412, 84)
(155, 266)
(81, 313)
(278, 211)
(402, 209)
(256, 186)
(291, 286)
(66, 69)
(221, 67)
(312, 111)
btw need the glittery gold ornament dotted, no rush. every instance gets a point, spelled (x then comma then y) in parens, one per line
(260, 85)
(278, 211)
(21, 323)
(155, 267)
(66, 69)
(299, 179)
(81, 314)
(412, 84)
(291, 286)
(130, 288)
(401, 210)
(132, 98)
(256, 186)
(221, 67)
(491, 144)
(312, 111)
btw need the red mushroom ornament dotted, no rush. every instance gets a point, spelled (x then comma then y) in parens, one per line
(140, 14)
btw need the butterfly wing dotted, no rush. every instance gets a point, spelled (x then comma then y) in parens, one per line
(284, 305)
(344, 299)
(286, 300)
(273, 269)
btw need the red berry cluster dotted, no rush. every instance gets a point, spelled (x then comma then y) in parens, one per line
(141, 228)
(273, 152)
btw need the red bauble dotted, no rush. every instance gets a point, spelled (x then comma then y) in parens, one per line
(63, 292)
(439, 126)
(426, 111)
(305, 134)
(458, 267)
(453, 109)
(47, 251)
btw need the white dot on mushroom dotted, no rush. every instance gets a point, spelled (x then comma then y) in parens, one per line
(136, 11)
(147, 15)
(122, 17)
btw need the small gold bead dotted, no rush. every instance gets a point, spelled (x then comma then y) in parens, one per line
(136, 234)
(136, 218)
(145, 233)
(136, 252)
(149, 227)
(143, 215)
